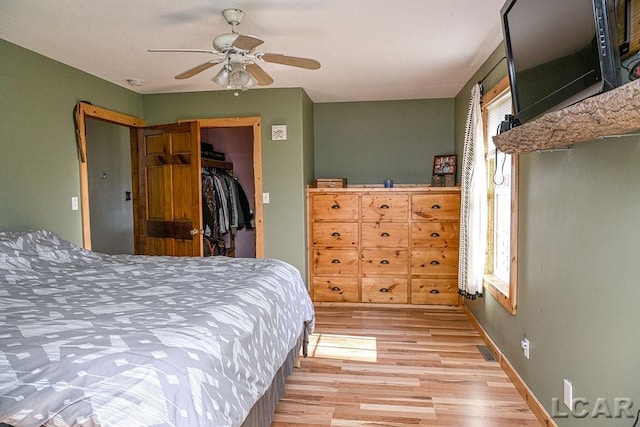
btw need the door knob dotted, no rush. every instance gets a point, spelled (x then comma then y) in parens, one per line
(195, 231)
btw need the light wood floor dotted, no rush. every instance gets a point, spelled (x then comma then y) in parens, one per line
(399, 367)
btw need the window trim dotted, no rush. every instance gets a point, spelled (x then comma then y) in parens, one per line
(490, 282)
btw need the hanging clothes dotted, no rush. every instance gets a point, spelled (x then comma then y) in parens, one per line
(225, 209)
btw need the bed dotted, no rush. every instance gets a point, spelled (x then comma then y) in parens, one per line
(88, 339)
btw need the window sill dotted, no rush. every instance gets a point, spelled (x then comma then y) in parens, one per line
(493, 284)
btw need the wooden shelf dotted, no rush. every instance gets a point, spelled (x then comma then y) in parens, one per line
(615, 112)
(218, 164)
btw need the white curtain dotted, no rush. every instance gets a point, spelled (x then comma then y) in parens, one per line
(473, 208)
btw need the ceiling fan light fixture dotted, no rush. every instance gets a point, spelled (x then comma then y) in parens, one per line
(251, 82)
(233, 16)
(240, 69)
(238, 76)
(222, 78)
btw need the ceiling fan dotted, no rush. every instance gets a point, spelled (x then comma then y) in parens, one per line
(237, 53)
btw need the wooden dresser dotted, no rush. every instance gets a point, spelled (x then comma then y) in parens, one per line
(384, 245)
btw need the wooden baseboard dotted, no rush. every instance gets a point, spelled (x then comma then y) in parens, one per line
(536, 407)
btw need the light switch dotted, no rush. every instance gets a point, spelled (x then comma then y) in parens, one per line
(265, 198)
(74, 204)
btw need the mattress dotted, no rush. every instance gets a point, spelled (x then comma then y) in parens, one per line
(121, 340)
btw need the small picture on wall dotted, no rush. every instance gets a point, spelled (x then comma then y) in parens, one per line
(443, 165)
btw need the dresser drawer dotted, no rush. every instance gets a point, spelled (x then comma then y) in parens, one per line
(435, 207)
(385, 261)
(385, 235)
(385, 207)
(335, 207)
(335, 289)
(335, 261)
(434, 291)
(385, 290)
(435, 234)
(436, 262)
(335, 234)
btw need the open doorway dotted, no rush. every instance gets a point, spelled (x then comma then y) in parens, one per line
(110, 187)
(234, 145)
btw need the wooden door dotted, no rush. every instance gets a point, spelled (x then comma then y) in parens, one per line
(168, 206)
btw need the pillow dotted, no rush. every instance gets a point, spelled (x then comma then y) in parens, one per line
(22, 243)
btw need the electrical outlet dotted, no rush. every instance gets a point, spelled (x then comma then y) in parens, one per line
(525, 347)
(568, 394)
(74, 204)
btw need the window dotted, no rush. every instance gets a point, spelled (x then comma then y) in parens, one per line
(502, 199)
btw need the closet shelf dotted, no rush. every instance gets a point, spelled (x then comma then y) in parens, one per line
(210, 163)
(614, 112)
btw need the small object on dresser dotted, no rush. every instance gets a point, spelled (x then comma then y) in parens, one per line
(443, 165)
(436, 180)
(331, 182)
(449, 180)
(388, 183)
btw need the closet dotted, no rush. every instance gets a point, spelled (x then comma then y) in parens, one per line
(235, 143)
(168, 206)
(226, 210)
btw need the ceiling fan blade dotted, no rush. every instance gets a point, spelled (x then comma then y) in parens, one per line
(197, 69)
(248, 43)
(310, 64)
(186, 50)
(259, 74)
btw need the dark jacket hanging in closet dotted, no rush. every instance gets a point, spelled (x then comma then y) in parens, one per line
(225, 208)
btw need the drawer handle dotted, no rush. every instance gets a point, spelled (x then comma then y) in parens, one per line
(384, 261)
(384, 289)
(435, 207)
(434, 291)
(384, 207)
(336, 206)
(435, 235)
(335, 261)
(335, 234)
(335, 289)
(434, 262)
(385, 234)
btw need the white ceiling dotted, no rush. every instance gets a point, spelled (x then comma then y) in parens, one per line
(369, 50)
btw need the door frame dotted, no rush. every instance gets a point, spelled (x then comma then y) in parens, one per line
(84, 110)
(256, 124)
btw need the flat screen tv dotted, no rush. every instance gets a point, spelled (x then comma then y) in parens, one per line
(559, 52)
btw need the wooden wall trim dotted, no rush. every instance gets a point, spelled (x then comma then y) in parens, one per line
(84, 110)
(536, 407)
(110, 116)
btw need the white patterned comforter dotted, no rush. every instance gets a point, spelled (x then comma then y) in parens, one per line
(89, 339)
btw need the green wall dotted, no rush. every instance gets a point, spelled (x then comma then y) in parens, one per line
(577, 272)
(39, 168)
(283, 162)
(367, 142)
(39, 164)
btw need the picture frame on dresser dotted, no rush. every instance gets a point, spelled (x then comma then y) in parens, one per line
(444, 165)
